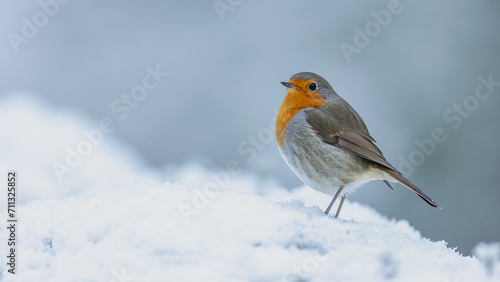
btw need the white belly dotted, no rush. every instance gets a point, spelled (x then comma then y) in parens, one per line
(322, 166)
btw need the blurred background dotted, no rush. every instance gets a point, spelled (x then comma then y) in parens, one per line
(198, 81)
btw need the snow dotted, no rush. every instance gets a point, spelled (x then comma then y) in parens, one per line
(114, 219)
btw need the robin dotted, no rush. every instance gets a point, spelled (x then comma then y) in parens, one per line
(326, 143)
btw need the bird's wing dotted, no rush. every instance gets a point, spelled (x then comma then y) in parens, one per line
(358, 143)
(338, 124)
(352, 135)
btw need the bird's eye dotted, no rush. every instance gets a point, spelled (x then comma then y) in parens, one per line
(312, 86)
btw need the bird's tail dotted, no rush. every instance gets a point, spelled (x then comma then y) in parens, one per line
(401, 179)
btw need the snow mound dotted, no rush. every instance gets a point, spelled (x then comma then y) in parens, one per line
(144, 233)
(38, 139)
(201, 225)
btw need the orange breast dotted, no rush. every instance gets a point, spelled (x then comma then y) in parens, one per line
(295, 100)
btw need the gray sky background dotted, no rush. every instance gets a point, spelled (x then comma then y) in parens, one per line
(410, 74)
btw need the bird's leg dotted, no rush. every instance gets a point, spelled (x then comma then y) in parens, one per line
(340, 206)
(333, 200)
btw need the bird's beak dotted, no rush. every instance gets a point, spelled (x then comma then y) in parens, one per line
(289, 85)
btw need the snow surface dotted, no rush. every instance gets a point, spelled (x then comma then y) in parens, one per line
(112, 219)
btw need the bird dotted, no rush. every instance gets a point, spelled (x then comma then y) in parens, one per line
(326, 143)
